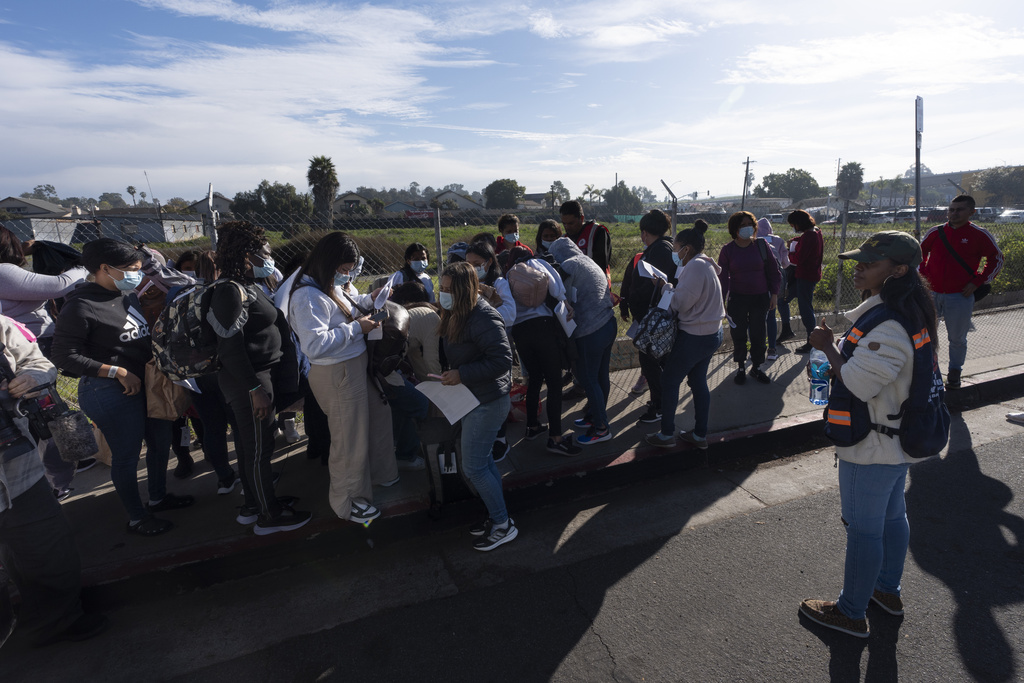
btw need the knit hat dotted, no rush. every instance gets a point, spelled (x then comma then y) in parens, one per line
(899, 246)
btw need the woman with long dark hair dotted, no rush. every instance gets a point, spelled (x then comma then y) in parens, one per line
(750, 286)
(481, 256)
(876, 368)
(102, 337)
(417, 260)
(479, 355)
(253, 346)
(806, 251)
(332, 333)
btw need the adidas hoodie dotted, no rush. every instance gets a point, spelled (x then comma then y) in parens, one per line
(97, 326)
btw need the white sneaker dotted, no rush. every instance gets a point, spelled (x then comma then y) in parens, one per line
(363, 513)
(1016, 418)
(291, 434)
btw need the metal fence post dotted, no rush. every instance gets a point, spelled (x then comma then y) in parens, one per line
(842, 248)
(437, 240)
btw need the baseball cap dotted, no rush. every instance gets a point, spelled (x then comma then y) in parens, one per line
(899, 246)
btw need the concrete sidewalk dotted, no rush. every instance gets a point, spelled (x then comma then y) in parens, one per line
(207, 532)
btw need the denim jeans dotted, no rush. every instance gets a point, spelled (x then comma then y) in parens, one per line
(877, 532)
(124, 424)
(690, 358)
(479, 428)
(956, 309)
(407, 406)
(803, 292)
(594, 355)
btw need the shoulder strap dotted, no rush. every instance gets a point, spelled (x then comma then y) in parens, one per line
(952, 252)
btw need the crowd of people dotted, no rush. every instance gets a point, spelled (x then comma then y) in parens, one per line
(302, 335)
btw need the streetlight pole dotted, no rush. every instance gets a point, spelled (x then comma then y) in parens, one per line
(675, 207)
(746, 176)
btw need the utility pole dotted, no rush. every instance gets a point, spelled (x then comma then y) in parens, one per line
(746, 176)
(919, 128)
(675, 207)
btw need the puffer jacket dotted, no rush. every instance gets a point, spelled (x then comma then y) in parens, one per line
(483, 356)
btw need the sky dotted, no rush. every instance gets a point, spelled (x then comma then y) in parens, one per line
(231, 92)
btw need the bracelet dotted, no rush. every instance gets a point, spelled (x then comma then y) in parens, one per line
(112, 372)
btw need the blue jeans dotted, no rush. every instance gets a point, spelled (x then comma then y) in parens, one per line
(803, 292)
(594, 355)
(407, 406)
(124, 424)
(690, 358)
(956, 309)
(479, 429)
(877, 532)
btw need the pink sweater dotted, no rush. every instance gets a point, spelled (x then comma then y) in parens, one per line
(697, 299)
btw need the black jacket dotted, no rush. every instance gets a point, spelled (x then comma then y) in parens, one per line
(97, 326)
(638, 291)
(483, 357)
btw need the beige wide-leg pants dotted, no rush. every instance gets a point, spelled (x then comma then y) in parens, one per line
(362, 446)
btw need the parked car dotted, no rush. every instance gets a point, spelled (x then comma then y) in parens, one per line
(986, 214)
(1011, 216)
(879, 217)
(774, 218)
(906, 216)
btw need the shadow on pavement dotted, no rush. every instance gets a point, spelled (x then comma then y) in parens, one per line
(957, 517)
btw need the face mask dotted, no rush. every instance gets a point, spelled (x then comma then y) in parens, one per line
(190, 273)
(512, 237)
(746, 233)
(676, 259)
(340, 280)
(547, 243)
(266, 270)
(481, 272)
(445, 299)
(358, 269)
(130, 279)
(419, 266)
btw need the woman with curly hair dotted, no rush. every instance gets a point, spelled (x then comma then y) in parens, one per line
(252, 338)
(480, 357)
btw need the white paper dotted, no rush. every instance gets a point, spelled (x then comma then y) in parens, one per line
(189, 384)
(649, 271)
(454, 401)
(385, 292)
(666, 299)
(562, 313)
(378, 333)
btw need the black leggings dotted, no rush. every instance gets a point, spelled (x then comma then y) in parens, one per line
(254, 442)
(537, 343)
(748, 312)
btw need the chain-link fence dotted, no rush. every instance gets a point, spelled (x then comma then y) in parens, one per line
(383, 238)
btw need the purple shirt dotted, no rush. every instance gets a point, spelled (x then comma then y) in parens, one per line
(744, 271)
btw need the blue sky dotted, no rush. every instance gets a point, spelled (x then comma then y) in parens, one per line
(232, 92)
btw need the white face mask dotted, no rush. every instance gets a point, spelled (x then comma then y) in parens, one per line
(418, 266)
(746, 232)
(481, 272)
(512, 237)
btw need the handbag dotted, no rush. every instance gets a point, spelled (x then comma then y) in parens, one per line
(981, 292)
(165, 400)
(656, 333)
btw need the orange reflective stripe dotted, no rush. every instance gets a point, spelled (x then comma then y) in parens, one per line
(854, 335)
(922, 338)
(839, 417)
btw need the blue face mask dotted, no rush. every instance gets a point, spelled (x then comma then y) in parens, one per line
(746, 232)
(481, 272)
(340, 279)
(675, 259)
(130, 279)
(547, 243)
(266, 270)
(418, 266)
(512, 237)
(445, 299)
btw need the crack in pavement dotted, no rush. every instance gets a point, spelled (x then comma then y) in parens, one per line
(574, 593)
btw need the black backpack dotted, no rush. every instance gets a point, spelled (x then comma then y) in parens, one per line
(924, 417)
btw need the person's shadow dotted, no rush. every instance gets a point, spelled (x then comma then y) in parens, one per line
(958, 518)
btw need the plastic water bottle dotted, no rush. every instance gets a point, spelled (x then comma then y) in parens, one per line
(819, 377)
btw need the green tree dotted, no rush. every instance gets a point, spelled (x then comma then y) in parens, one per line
(131, 190)
(143, 202)
(851, 180)
(323, 181)
(645, 194)
(457, 188)
(623, 201)
(46, 193)
(115, 200)
(504, 194)
(276, 206)
(177, 205)
(1004, 184)
(558, 194)
(795, 183)
(376, 203)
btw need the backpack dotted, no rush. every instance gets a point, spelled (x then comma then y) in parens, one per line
(924, 417)
(529, 284)
(387, 353)
(184, 344)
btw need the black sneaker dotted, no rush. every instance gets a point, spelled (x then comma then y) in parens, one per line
(785, 335)
(62, 493)
(288, 520)
(497, 536)
(953, 380)
(170, 502)
(803, 348)
(363, 513)
(500, 449)
(228, 485)
(86, 464)
(564, 447)
(760, 376)
(533, 432)
(481, 528)
(741, 376)
(649, 416)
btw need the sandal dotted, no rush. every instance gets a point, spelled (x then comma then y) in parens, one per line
(150, 526)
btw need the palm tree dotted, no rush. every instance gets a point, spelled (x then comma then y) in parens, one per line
(143, 195)
(323, 181)
(131, 191)
(588, 192)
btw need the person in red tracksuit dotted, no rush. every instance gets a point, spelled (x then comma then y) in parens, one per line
(952, 284)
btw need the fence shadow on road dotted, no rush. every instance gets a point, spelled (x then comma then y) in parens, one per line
(957, 515)
(845, 653)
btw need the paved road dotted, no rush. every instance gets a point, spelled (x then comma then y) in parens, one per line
(694, 576)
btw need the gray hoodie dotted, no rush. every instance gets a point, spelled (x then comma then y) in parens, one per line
(593, 305)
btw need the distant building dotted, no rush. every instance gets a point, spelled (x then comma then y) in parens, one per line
(349, 200)
(23, 206)
(221, 204)
(462, 202)
(399, 207)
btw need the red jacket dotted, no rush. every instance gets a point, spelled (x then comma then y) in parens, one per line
(810, 248)
(972, 243)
